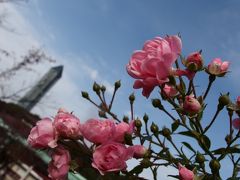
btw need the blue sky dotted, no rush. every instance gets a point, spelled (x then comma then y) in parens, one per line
(95, 39)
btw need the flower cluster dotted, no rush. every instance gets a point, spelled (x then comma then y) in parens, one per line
(110, 153)
(156, 65)
(46, 134)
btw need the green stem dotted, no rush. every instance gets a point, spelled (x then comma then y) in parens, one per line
(214, 118)
(211, 80)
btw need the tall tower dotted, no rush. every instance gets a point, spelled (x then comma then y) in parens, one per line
(32, 97)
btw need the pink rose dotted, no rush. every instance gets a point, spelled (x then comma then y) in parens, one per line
(60, 163)
(152, 65)
(236, 123)
(111, 157)
(169, 91)
(67, 125)
(194, 61)
(42, 135)
(217, 67)
(122, 129)
(138, 151)
(191, 105)
(98, 131)
(185, 174)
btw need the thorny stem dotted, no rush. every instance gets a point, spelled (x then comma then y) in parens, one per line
(230, 124)
(114, 116)
(228, 146)
(211, 80)
(214, 118)
(113, 96)
(131, 105)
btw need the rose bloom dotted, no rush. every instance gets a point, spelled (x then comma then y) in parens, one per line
(152, 65)
(122, 129)
(217, 67)
(42, 135)
(196, 60)
(60, 164)
(138, 151)
(111, 157)
(185, 174)
(169, 91)
(67, 125)
(98, 131)
(191, 105)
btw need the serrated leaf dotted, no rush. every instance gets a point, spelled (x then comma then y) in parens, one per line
(189, 147)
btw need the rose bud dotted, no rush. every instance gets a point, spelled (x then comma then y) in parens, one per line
(98, 131)
(191, 105)
(138, 151)
(111, 157)
(42, 135)
(236, 123)
(184, 173)
(217, 67)
(67, 125)
(59, 166)
(194, 61)
(169, 91)
(121, 129)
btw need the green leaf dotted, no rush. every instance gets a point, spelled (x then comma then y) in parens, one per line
(175, 125)
(224, 150)
(204, 142)
(136, 170)
(174, 176)
(192, 134)
(189, 147)
(201, 177)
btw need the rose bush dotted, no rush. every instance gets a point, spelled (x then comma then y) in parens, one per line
(112, 141)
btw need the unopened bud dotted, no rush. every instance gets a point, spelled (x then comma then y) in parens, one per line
(166, 133)
(102, 114)
(200, 158)
(138, 123)
(117, 84)
(103, 88)
(224, 99)
(85, 95)
(96, 87)
(228, 139)
(128, 139)
(154, 128)
(214, 165)
(125, 119)
(145, 118)
(157, 103)
(131, 98)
